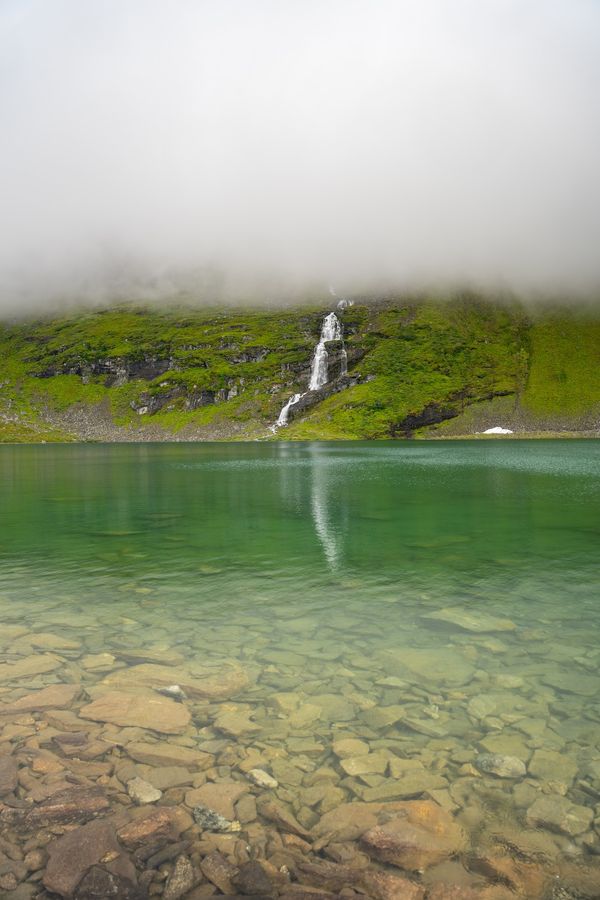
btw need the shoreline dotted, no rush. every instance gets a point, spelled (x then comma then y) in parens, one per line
(172, 439)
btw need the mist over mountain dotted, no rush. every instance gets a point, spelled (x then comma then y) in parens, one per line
(265, 149)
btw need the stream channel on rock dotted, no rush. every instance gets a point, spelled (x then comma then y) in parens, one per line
(300, 670)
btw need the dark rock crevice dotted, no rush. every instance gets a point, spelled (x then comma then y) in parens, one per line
(434, 413)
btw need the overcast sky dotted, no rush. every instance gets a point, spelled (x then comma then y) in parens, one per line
(148, 143)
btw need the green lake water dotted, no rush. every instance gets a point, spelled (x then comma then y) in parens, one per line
(318, 565)
(443, 517)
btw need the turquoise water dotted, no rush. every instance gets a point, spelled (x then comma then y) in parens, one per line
(439, 517)
(318, 566)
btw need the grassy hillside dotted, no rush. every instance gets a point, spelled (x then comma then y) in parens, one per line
(415, 367)
(566, 376)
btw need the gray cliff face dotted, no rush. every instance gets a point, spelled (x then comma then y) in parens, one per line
(145, 366)
(147, 403)
(115, 371)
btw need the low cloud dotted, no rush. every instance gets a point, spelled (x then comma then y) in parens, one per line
(246, 147)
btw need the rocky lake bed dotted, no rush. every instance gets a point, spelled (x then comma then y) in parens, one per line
(307, 673)
(301, 764)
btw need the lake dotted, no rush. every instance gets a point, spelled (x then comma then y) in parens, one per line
(414, 626)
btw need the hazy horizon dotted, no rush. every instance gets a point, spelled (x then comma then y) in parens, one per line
(265, 150)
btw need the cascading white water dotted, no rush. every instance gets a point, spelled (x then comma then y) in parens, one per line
(285, 412)
(331, 331)
(319, 370)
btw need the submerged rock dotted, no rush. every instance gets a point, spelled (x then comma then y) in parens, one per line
(159, 826)
(573, 683)
(475, 621)
(181, 880)
(305, 715)
(410, 785)
(262, 779)
(501, 766)
(252, 879)
(97, 662)
(329, 876)
(12, 632)
(422, 835)
(165, 777)
(164, 657)
(235, 723)
(506, 744)
(219, 871)
(441, 665)
(333, 708)
(142, 791)
(381, 717)
(101, 884)
(156, 713)
(219, 797)
(548, 765)
(56, 696)
(385, 886)
(349, 820)
(8, 774)
(349, 747)
(73, 854)
(197, 681)
(370, 763)
(163, 754)
(46, 641)
(526, 879)
(275, 811)
(37, 664)
(509, 682)
(210, 820)
(77, 804)
(559, 814)
(173, 691)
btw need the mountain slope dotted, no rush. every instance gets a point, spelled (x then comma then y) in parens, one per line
(415, 367)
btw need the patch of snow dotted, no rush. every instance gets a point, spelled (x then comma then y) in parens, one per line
(498, 430)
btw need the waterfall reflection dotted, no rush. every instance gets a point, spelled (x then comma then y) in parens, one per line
(321, 493)
(310, 482)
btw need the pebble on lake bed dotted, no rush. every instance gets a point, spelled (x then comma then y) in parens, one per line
(501, 766)
(262, 779)
(142, 791)
(209, 820)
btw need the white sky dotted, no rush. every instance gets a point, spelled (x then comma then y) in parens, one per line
(357, 142)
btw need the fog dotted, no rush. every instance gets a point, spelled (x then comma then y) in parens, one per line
(241, 148)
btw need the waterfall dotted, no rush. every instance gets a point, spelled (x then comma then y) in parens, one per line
(285, 412)
(331, 330)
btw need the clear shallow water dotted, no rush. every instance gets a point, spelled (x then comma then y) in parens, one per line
(316, 566)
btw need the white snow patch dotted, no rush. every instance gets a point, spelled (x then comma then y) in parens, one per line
(497, 430)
